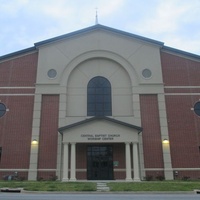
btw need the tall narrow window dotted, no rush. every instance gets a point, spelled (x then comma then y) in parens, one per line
(99, 97)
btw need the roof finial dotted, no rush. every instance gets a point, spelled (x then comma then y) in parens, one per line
(96, 20)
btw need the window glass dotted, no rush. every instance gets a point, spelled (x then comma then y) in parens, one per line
(99, 97)
(2, 109)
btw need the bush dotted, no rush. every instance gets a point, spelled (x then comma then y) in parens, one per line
(185, 178)
(160, 177)
(53, 178)
(148, 178)
(22, 178)
(40, 179)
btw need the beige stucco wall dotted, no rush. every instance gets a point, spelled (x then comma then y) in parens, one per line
(119, 58)
(134, 55)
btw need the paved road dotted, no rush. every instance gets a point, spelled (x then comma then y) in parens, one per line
(21, 196)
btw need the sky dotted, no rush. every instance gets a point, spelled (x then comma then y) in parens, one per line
(25, 22)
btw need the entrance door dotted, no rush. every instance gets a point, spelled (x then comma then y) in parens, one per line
(100, 162)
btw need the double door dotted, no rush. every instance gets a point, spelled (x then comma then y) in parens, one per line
(100, 162)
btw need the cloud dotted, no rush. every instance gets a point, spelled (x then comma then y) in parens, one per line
(24, 22)
(107, 9)
(175, 22)
(183, 43)
(167, 17)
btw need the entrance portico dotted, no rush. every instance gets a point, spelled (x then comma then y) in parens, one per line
(98, 140)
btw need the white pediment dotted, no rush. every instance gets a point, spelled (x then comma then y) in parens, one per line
(100, 131)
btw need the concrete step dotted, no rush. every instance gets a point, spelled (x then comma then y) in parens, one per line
(102, 187)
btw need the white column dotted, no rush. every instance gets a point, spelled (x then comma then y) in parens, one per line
(73, 162)
(128, 162)
(65, 162)
(135, 162)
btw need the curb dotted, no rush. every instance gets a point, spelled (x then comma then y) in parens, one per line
(21, 190)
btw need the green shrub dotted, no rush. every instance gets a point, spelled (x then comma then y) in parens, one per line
(148, 178)
(160, 177)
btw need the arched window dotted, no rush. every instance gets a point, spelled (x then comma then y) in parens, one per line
(99, 97)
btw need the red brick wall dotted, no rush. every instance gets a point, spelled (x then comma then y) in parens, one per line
(15, 136)
(81, 161)
(16, 125)
(184, 128)
(183, 124)
(179, 71)
(152, 144)
(119, 155)
(20, 71)
(47, 156)
(81, 158)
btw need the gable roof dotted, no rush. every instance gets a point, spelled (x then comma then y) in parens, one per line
(61, 129)
(180, 52)
(94, 28)
(18, 53)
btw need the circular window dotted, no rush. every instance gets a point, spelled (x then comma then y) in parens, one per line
(197, 108)
(52, 73)
(2, 109)
(146, 73)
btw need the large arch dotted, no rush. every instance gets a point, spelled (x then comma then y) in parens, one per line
(118, 77)
(99, 54)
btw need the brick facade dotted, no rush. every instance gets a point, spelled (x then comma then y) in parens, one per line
(38, 105)
(15, 126)
(179, 71)
(20, 71)
(152, 143)
(183, 123)
(48, 136)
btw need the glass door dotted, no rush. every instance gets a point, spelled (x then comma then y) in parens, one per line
(100, 162)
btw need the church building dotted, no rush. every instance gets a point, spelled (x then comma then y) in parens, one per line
(100, 104)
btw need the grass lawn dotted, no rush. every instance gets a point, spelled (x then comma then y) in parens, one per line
(114, 186)
(156, 186)
(49, 185)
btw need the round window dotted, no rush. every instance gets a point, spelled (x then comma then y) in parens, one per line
(2, 109)
(52, 73)
(146, 73)
(197, 108)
